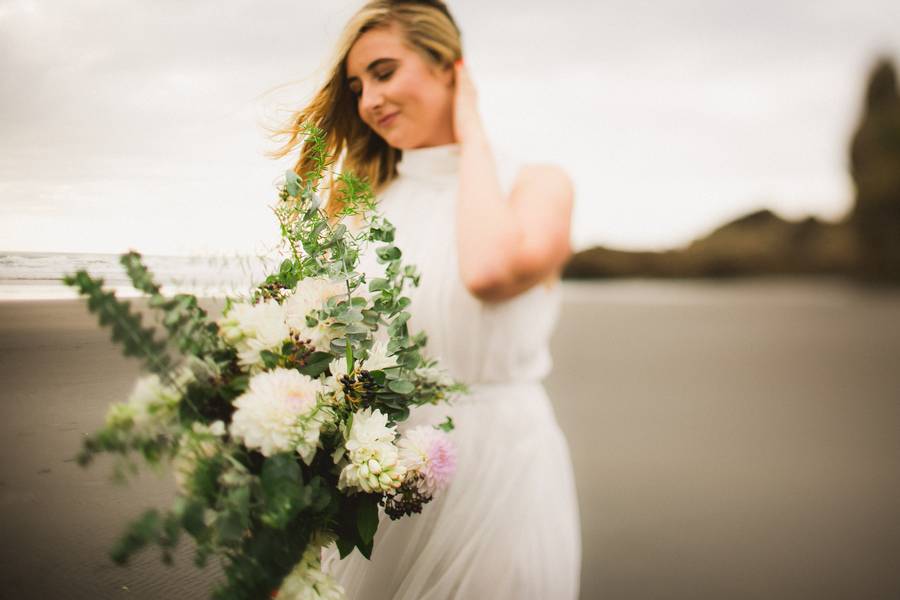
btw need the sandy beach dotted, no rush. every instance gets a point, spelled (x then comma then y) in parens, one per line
(730, 440)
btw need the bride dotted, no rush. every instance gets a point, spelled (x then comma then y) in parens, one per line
(490, 237)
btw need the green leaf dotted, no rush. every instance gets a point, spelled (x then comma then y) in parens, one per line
(401, 386)
(378, 283)
(345, 547)
(282, 490)
(366, 549)
(410, 360)
(388, 253)
(446, 426)
(348, 355)
(229, 527)
(192, 519)
(354, 328)
(138, 534)
(269, 358)
(292, 183)
(367, 519)
(316, 364)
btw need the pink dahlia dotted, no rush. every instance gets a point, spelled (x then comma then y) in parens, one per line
(430, 453)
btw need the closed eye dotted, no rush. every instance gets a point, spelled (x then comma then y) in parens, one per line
(389, 64)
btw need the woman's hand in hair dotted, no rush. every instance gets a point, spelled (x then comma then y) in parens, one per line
(507, 243)
(466, 120)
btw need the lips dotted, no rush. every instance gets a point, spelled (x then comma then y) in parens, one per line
(387, 120)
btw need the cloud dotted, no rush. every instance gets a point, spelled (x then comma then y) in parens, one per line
(669, 115)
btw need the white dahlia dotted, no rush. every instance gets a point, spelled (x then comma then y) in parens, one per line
(279, 412)
(311, 294)
(373, 458)
(252, 328)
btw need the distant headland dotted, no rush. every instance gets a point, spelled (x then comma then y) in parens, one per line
(865, 245)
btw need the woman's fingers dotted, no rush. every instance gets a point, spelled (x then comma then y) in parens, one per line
(465, 113)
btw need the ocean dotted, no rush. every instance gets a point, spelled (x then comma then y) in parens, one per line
(38, 275)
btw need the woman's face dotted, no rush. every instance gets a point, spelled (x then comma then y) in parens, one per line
(405, 99)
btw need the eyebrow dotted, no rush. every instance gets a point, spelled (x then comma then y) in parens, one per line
(372, 66)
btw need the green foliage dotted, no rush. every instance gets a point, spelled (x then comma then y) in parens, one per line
(163, 529)
(188, 325)
(136, 340)
(357, 523)
(447, 426)
(282, 490)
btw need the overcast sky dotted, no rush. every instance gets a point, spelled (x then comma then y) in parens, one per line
(127, 123)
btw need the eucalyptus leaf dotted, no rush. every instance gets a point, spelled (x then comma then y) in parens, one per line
(388, 253)
(292, 183)
(378, 283)
(401, 386)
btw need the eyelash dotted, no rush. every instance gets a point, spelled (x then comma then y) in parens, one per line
(382, 77)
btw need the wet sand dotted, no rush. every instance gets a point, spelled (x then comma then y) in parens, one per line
(730, 440)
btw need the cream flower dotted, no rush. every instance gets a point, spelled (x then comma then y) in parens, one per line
(435, 375)
(373, 457)
(308, 581)
(279, 412)
(252, 328)
(151, 404)
(311, 294)
(378, 358)
(338, 368)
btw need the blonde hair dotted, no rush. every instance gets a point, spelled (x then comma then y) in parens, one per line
(429, 29)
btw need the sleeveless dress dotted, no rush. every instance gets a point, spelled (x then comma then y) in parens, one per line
(507, 526)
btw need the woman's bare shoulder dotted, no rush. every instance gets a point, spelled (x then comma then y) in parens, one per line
(546, 178)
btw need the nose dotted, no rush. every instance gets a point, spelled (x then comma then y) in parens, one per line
(371, 101)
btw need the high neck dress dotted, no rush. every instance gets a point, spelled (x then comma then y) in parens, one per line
(507, 527)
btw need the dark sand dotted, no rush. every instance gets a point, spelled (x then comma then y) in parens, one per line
(730, 440)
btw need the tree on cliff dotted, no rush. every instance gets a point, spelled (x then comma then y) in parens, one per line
(875, 166)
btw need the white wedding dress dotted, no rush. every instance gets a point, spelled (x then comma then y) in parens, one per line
(507, 527)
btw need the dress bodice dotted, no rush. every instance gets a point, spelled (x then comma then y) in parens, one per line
(477, 342)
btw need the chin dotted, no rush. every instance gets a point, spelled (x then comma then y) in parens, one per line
(401, 139)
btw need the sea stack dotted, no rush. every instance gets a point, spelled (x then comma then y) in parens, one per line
(875, 167)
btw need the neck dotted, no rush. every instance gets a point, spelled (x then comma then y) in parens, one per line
(441, 137)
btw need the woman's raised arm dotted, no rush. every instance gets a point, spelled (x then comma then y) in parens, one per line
(506, 244)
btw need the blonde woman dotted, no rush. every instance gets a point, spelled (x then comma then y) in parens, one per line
(490, 238)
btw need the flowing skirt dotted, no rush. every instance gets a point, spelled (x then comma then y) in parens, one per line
(507, 527)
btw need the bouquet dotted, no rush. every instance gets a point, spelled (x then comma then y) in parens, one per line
(279, 419)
